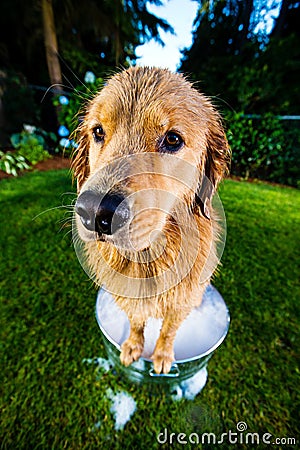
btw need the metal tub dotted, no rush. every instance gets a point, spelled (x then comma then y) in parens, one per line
(198, 337)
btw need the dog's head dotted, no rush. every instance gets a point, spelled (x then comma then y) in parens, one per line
(148, 142)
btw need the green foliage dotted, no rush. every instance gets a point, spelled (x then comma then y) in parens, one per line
(251, 70)
(31, 143)
(222, 38)
(106, 33)
(29, 147)
(267, 80)
(32, 150)
(11, 163)
(52, 400)
(264, 148)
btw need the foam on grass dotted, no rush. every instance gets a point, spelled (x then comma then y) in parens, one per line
(123, 407)
(191, 387)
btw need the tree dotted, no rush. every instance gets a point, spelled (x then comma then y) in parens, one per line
(220, 39)
(103, 33)
(97, 35)
(51, 46)
(236, 59)
(107, 31)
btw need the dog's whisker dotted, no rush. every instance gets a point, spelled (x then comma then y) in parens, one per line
(70, 85)
(65, 221)
(69, 193)
(53, 86)
(73, 73)
(51, 209)
(67, 233)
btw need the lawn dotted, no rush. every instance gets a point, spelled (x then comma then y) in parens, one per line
(52, 398)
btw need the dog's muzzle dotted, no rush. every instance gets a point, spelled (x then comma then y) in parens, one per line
(103, 214)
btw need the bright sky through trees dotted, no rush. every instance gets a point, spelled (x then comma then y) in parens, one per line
(181, 14)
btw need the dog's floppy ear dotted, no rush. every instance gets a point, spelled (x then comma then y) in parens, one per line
(80, 159)
(216, 165)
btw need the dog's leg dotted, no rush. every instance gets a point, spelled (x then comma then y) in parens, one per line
(163, 355)
(132, 348)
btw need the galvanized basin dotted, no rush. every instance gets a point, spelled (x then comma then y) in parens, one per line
(198, 337)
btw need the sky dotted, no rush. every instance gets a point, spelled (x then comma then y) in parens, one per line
(180, 14)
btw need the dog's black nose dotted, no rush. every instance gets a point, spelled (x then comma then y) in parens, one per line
(103, 214)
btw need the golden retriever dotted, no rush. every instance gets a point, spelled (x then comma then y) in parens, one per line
(151, 152)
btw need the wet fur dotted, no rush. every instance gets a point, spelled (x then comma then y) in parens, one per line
(136, 108)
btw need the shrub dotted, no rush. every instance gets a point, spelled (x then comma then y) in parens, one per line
(264, 147)
(31, 144)
(12, 163)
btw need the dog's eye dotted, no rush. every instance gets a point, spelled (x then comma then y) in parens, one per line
(98, 134)
(172, 142)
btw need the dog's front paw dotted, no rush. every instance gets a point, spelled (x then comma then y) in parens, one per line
(162, 361)
(131, 350)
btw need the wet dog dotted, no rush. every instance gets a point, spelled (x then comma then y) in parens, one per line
(151, 153)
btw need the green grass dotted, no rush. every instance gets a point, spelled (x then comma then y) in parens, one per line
(51, 399)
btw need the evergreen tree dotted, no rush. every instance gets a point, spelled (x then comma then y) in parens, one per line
(236, 59)
(94, 33)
